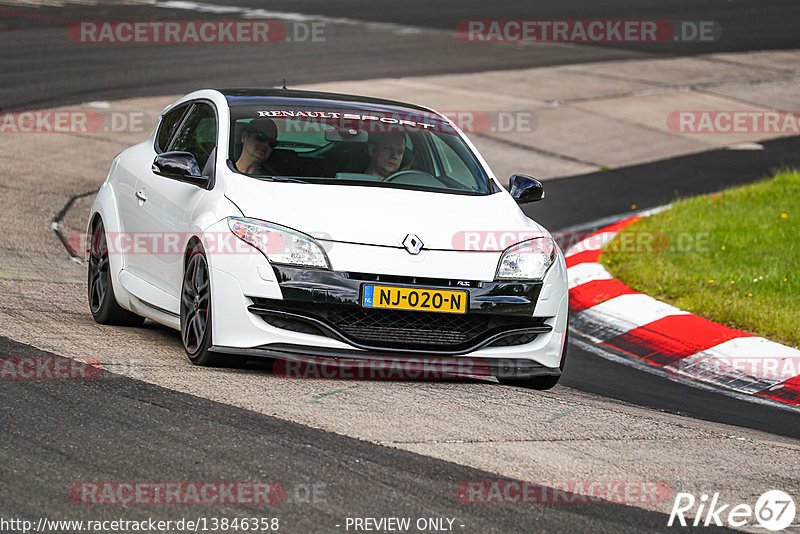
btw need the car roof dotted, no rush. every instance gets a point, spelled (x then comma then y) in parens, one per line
(255, 96)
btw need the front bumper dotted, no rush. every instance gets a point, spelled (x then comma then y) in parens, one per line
(284, 312)
(327, 303)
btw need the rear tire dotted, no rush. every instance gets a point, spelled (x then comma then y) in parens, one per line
(102, 302)
(196, 314)
(540, 383)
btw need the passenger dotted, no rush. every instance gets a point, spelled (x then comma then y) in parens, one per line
(259, 138)
(385, 153)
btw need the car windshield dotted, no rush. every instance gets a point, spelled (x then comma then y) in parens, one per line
(388, 148)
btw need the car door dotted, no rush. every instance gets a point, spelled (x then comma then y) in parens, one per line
(163, 207)
(128, 175)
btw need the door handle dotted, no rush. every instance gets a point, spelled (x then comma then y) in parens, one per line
(141, 196)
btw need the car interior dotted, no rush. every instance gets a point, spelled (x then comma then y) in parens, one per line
(347, 156)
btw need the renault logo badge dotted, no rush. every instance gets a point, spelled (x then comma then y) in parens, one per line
(413, 244)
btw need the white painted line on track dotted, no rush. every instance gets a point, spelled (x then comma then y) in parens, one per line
(586, 272)
(633, 311)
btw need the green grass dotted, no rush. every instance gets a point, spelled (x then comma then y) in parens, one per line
(731, 257)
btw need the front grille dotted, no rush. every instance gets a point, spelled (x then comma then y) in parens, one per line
(394, 329)
(407, 327)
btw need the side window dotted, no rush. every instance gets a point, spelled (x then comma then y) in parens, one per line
(198, 134)
(169, 123)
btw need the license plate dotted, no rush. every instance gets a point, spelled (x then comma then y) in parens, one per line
(414, 298)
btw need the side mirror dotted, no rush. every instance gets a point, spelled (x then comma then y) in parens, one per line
(525, 189)
(180, 166)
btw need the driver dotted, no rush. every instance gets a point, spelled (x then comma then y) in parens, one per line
(259, 138)
(385, 153)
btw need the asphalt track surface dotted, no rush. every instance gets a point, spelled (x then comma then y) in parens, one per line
(41, 66)
(650, 185)
(116, 428)
(122, 429)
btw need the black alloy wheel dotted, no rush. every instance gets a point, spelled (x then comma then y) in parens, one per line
(196, 310)
(102, 302)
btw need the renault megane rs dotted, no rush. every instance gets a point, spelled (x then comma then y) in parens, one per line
(290, 224)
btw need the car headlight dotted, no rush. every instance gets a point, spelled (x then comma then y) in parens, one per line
(278, 243)
(528, 260)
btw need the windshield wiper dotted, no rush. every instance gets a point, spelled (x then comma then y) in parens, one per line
(282, 179)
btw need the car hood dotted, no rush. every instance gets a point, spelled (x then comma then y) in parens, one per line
(385, 216)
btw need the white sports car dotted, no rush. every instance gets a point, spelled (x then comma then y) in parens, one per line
(306, 226)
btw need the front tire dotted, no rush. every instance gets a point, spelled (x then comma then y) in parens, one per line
(102, 302)
(196, 313)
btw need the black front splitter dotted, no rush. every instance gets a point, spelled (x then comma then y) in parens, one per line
(401, 365)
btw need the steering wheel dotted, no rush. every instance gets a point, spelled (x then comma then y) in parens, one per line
(409, 172)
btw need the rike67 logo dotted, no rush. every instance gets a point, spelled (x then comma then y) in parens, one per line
(774, 511)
